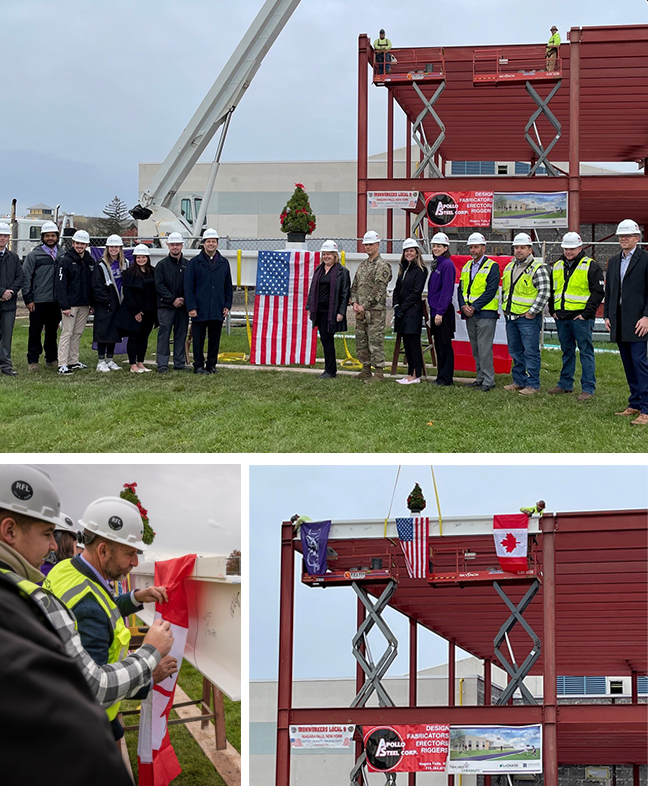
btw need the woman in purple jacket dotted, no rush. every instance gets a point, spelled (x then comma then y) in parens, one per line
(441, 286)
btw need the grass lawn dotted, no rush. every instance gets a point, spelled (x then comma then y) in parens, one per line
(274, 411)
(197, 770)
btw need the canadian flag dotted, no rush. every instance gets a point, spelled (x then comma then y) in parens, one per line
(158, 763)
(511, 538)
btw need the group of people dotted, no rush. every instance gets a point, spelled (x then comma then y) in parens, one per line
(64, 645)
(63, 288)
(571, 288)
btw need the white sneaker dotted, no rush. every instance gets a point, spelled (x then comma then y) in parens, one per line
(403, 381)
(102, 366)
(64, 370)
(112, 365)
(415, 381)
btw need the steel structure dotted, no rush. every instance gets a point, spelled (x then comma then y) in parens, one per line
(492, 104)
(583, 605)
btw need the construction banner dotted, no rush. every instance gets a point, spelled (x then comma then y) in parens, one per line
(389, 200)
(422, 748)
(459, 208)
(321, 736)
(484, 750)
(530, 210)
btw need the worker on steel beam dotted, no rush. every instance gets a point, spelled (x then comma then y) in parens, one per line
(626, 316)
(477, 294)
(535, 510)
(553, 46)
(382, 47)
(577, 290)
(525, 293)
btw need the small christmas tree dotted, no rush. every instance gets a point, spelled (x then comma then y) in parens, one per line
(233, 564)
(416, 500)
(297, 215)
(129, 494)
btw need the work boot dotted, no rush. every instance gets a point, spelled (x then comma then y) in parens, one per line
(585, 396)
(557, 390)
(379, 375)
(628, 412)
(528, 391)
(513, 386)
(33, 366)
(365, 373)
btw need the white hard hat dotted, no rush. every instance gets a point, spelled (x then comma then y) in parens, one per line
(628, 227)
(329, 245)
(441, 238)
(81, 236)
(50, 226)
(5, 229)
(371, 237)
(571, 240)
(114, 240)
(175, 237)
(29, 490)
(522, 239)
(476, 239)
(115, 519)
(141, 251)
(209, 233)
(410, 243)
(66, 524)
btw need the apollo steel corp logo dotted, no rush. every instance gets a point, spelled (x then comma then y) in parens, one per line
(115, 523)
(22, 490)
(384, 748)
(442, 209)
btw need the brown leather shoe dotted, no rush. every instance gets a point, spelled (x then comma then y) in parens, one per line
(513, 386)
(365, 373)
(628, 412)
(557, 390)
(528, 391)
(585, 396)
(642, 420)
(379, 375)
(33, 366)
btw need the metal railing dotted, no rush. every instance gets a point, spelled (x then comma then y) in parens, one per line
(411, 64)
(502, 65)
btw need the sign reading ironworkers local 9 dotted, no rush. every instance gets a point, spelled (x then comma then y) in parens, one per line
(421, 748)
(378, 200)
(484, 750)
(321, 736)
(459, 208)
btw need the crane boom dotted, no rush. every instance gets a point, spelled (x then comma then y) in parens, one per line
(221, 100)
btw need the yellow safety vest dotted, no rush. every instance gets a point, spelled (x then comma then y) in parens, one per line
(471, 290)
(574, 297)
(70, 586)
(382, 43)
(519, 298)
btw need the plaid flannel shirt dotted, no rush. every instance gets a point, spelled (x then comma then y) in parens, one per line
(542, 282)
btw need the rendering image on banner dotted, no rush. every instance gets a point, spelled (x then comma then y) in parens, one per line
(491, 749)
(530, 210)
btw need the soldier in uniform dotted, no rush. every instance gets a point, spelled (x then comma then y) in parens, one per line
(369, 301)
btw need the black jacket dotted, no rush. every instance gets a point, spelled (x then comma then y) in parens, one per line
(11, 277)
(208, 288)
(106, 306)
(634, 304)
(595, 279)
(169, 280)
(49, 701)
(74, 280)
(133, 302)
(408, 299)
(40, 270)
(340, 296)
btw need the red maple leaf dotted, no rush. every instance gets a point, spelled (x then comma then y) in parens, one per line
(509, 542)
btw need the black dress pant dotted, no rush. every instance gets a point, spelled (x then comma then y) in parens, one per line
(328, 343)
(211, 329)
(138, 343)
(413, 353)
(47, 316)
(443, 335)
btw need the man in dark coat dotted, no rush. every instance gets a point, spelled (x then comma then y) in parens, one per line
(208, 291)
(172, 313)
(11, 279)
(626, 316)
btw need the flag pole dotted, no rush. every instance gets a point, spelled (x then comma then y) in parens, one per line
(436, 494)
(392, 501)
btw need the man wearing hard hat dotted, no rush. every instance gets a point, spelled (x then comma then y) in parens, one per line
(479, 305)
(576, 292)
(172, 312)
(39, 294)
(553, 47)
(382, 47)
(626, 316)
(369, 301)
(11, 280)
(525, 293)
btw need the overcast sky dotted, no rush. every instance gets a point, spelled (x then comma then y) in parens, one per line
(91, 89)
(193, 508)
(325, 620)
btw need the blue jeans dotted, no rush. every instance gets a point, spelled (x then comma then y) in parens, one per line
(523, 337)
(572, 332)
(634, 355)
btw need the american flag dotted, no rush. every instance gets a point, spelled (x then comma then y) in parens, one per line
(282, 331)
(413, 535)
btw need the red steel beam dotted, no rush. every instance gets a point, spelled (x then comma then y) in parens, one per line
(375, 716)
(361, 613)
(550, 741)
(390, 162)
(285, 679)
(413, 672)
(363, 134)
(452, 663)
(574, 130)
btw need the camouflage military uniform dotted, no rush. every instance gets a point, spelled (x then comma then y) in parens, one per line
(369, 289)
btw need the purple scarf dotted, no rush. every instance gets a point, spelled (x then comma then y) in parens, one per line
(314, 295)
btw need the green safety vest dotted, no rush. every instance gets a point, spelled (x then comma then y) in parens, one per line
(382, 43)
(25, 586)
(471, 290)
(70, 586)
(554, 41)
(519, 298)
(574, 297)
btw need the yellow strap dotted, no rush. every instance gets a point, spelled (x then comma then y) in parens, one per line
(247, 319)
(343, 258)
(392, 501)
(239, 254)
(349, 361)
(436, 494)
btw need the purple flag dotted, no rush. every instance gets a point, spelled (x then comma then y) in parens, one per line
(314, 538)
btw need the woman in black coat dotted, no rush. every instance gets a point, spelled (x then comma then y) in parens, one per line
(408, 308)
(106, 300)
(328, 298)
(138, 311)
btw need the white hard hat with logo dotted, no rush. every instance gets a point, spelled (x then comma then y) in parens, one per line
(116, 519)
(29, 490)
(441, 238)
(329, 245)
(5, 229)
(114, 240)
(628, 227)
(371, 237)
(81, 236)
(410, 242)
(50, 226)
(141, 251)
(209, 233)
(476, 239)
(522, 239)
(175, 237)
(66, 524)
(571, 240)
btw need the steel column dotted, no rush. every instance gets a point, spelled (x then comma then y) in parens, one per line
(413, 673)
(285, 679)
(634, 686)
(363, 131)
(390, 162)
(408, 166)
(451, 686)
(636, 775)
(360, 680)
(550, 691)
(574, 129)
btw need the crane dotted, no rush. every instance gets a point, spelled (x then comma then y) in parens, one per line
(213, 113)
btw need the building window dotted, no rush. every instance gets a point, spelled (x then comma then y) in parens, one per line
(521, 168)
(502, 169)
(581, 686)
(616, 686)
(34, 233)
